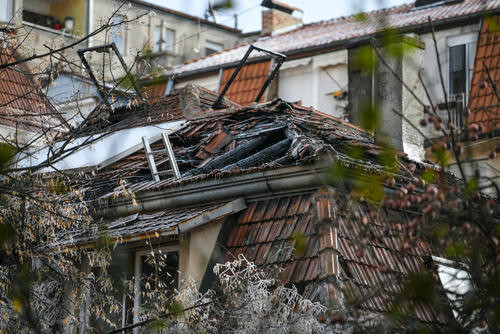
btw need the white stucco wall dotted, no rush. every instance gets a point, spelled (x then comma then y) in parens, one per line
(444, 38)
(307, 80)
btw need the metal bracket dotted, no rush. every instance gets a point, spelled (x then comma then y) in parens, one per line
(105, 48)
(278, 56)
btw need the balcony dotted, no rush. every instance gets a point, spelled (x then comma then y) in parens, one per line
(456, 104)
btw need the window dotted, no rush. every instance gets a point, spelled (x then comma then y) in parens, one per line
(212, 48)
(164, 40)
(118, 33)
(154, 271)
(6, 13)
(461, 54)
(455, 281)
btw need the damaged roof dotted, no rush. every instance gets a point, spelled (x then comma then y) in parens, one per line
(340, 31)
(277, 135)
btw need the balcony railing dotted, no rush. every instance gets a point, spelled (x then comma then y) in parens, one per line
(456, 104)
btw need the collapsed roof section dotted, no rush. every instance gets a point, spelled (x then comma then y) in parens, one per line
(259, 146)
(232, 141)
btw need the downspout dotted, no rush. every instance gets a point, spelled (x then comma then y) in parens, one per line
(91, 22)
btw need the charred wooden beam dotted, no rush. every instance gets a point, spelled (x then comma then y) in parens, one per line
(229, 157)
(261, 157)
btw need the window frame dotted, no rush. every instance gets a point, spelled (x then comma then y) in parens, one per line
(138, 273)
(467, 40)
(167, 45)
(114, 34)
(210, 43)
(8, 12)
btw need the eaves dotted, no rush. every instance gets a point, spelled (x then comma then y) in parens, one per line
(265, 183)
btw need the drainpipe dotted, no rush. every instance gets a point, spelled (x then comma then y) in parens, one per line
(91, 22)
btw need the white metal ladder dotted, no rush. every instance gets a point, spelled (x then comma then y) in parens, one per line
(151, 161)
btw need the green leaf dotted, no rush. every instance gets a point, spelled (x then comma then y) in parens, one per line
(429, 176)
(300, 244)
(176, 308)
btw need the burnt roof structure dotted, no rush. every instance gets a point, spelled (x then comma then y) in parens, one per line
(271, 158)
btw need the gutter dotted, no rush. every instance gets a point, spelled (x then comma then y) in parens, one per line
(264, 183)
(419, 28)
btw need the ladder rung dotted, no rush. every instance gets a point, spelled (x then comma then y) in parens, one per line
(164, 172)
(157, 152)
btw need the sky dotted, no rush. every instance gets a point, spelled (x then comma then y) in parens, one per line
(249, 11)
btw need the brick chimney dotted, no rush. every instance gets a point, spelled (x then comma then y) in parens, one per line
(278, 18)
(378, 86)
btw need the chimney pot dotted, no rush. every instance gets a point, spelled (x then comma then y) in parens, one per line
(377, 85)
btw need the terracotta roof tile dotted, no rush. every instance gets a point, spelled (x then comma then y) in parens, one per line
(251, 235)
(275, 232)
(247, 84)
(484, 104)
(300, 270)
(289, 227)
(23, 103)
(262, 253)
(264, 232)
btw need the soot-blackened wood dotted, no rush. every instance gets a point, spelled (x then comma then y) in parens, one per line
(229, 157)
(261, 157)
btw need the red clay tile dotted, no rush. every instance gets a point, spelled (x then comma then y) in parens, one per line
(264, 232)
(293, 206)
(271, 209)
(275, 232)
(302, 224)
(251, 234)
(261, 256)
(259, 211)
(237, 235)
(300, 270)
(289, 227)
(286, 274)
(312, 271)
(275, 252)
(287, 250)
(282, 207)
(246, 216)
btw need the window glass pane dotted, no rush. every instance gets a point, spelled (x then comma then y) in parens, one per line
(158, 275)
(211, 47)
(117, 34)
(472, 54)
(457, 68)
(5, 10)
(169, 40)
(157, 39)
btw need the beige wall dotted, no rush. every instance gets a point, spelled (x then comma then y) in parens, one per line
(476, 157)
(139, 34)
(195, 250)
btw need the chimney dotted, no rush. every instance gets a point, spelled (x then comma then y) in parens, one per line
(278, 18)
(375, 84)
